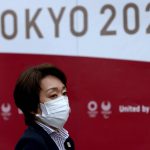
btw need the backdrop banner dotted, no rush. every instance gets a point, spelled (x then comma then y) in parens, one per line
(110, 101)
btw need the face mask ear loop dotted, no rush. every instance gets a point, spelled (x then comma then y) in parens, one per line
(39, 110)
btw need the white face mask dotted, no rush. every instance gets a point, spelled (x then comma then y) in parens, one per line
(55, 112)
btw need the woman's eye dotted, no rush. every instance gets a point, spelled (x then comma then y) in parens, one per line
(64, 93)
(53, 96)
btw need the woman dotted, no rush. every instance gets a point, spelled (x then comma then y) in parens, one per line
(41, 94)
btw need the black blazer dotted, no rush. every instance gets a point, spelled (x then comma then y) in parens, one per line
(36, 138)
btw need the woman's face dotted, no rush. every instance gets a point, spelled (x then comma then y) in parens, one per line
(51, 88)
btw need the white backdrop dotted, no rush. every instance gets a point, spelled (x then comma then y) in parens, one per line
(105, 29)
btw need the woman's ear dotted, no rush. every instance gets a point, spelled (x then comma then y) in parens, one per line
(39, 111)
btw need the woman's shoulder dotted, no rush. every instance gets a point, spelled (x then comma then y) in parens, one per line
(34, 137)
(30, 140)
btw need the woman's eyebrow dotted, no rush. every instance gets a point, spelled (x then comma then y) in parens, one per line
(52, 89)
(55, 88)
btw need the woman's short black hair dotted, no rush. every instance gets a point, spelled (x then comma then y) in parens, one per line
(27, 88)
